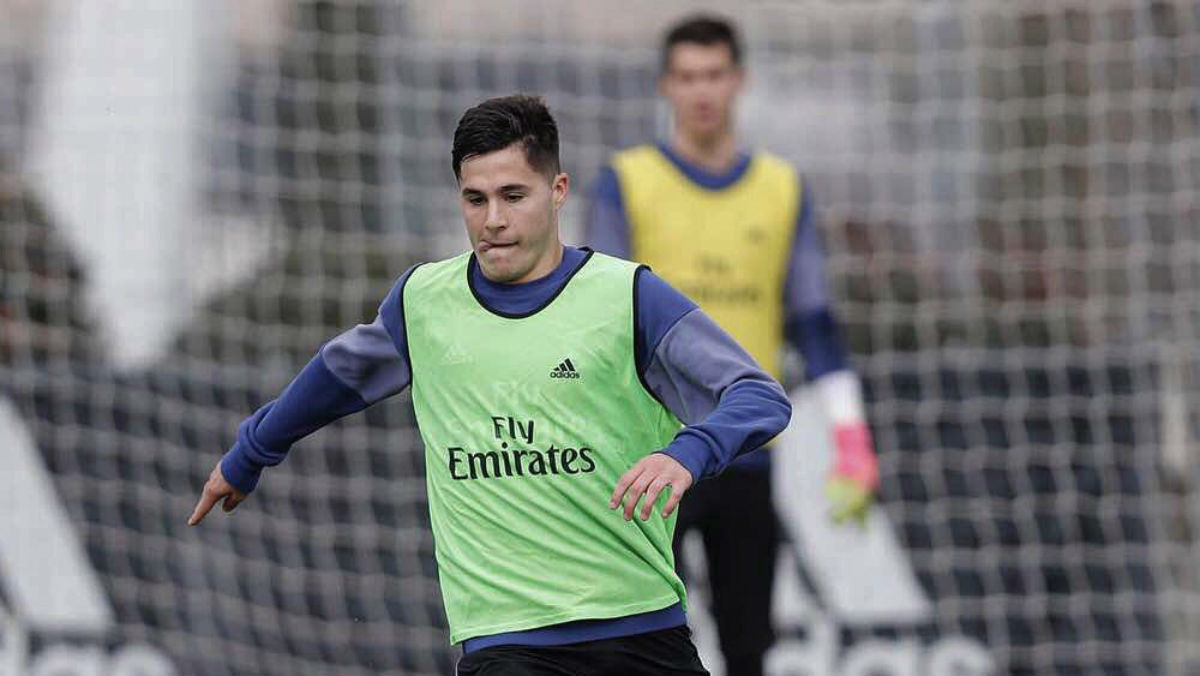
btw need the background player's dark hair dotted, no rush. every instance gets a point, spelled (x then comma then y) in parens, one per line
(498, 123)
(702, 29)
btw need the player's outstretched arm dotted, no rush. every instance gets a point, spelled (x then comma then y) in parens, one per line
(649, 477)
(216, 489)
(354, 370)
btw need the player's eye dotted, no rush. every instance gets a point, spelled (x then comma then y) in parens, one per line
(514, 197)
(475, 200)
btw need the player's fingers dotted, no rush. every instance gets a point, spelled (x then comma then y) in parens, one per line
(231, 502)
(652, 492)
(838, 514)
(623, 484)
(862, 510)
(635, 494)
(207, 499)
(677, 492)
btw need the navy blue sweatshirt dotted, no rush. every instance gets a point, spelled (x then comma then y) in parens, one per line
(728, 405)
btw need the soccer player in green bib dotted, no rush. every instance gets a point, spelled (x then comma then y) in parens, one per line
(567, 400)
(735, 231)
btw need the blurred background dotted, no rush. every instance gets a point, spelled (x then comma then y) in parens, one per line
(195, 194)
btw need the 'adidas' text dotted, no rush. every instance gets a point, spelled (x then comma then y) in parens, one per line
(565, 370)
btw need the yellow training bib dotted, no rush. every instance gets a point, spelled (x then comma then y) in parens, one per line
(725, 249)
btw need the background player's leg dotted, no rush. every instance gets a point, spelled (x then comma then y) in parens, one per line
(741, 543)
(693, 512)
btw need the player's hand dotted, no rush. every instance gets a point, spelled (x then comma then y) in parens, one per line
(649, 477)
(216, 489)
(854, 480)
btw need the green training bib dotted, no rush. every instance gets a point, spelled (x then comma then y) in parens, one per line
(528, 423)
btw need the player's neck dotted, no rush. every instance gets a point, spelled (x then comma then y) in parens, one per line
(717, 153)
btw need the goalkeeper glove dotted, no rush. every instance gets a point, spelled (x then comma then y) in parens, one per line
(851, 485)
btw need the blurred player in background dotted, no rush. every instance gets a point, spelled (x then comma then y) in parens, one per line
(549, 385)
(735, 231)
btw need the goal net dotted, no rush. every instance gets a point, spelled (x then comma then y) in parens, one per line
(192, 201)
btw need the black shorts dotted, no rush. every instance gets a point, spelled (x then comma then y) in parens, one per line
(667, 652)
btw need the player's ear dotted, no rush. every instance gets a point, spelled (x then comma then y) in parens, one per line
(559, 188)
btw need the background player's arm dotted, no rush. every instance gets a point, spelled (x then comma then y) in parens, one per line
(729, 405)
(607, 228)
(349, 373)
(811, 328)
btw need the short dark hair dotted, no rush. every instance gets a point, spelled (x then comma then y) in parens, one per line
(702, 29)
(498, 123)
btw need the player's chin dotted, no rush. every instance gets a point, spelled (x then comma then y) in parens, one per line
(706, 125)
(500, 264)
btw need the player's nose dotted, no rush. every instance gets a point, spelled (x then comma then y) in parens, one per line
(496, 218)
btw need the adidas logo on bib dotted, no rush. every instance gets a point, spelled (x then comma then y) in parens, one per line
(565, 370)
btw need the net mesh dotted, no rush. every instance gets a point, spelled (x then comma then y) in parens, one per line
(191, 202)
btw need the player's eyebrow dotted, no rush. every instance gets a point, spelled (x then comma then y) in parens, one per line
(508, 187)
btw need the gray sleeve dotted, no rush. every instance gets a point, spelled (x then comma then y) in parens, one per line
(607, 227)
(693, 365)
(366, 359)
(729, 404)
(807, 287)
